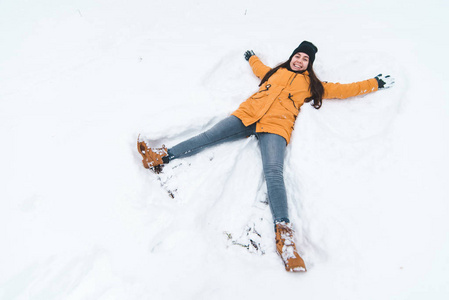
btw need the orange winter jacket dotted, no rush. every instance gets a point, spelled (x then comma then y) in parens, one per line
(275, 106)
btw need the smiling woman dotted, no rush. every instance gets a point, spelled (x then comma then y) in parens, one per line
(270, 115)
(299, 62)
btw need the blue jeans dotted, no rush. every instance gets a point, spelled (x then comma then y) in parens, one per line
(272, 148)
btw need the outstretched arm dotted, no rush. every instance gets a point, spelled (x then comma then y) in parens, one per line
(343, 91)
(259, 69)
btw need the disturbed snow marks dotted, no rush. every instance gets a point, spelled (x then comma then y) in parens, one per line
(167, 178)
(250, 239)
(255, 235)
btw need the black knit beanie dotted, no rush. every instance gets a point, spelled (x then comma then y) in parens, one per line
(307, 48)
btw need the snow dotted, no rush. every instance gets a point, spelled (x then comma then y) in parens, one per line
(367, 177)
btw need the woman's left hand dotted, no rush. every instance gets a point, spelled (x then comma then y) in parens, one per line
(384, 82)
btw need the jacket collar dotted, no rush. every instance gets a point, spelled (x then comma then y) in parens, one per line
(302, 72)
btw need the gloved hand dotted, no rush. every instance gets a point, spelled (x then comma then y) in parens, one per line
(384, 82)
(248, 54)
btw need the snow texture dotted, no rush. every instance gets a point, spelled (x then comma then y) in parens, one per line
(367, 177)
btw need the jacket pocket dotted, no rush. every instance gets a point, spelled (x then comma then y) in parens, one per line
(262, 92)
(290, 105)
(259, 95)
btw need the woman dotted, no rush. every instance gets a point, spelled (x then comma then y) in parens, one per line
(270, 114)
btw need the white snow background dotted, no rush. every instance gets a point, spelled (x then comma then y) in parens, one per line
(367, 177)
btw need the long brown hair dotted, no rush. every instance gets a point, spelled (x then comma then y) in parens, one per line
(315, 86)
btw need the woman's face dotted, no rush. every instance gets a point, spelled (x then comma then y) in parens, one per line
(299, 62)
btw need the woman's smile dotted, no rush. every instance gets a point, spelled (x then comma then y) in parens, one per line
(299, 62)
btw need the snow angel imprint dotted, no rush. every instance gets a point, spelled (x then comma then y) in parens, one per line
(270, 114)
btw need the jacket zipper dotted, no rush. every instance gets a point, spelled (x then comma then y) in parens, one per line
(293, 79)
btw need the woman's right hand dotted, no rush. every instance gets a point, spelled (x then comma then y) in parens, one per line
(248, 54)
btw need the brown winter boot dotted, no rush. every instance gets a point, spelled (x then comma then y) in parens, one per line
(286, 248)
(152, 157)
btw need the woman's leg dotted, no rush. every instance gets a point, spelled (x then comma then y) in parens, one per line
(226, 130)
(272, 148)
